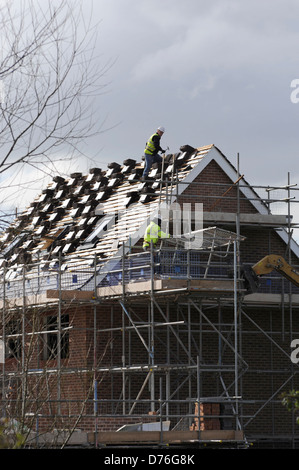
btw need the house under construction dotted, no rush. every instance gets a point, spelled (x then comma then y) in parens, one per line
(187, 343)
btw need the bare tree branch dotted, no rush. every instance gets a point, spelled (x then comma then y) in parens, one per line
(50, 78)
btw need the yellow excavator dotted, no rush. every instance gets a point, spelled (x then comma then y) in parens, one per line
(265, 266)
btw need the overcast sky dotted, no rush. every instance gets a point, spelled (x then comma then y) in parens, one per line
(217, 71)
(211, 72)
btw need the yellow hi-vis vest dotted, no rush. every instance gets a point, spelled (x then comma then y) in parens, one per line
(150, 146)
(152, 233)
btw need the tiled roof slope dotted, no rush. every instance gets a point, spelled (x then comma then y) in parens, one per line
(71, 216)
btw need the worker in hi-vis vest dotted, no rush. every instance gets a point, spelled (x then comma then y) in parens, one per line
(153, 233)
(151, 150)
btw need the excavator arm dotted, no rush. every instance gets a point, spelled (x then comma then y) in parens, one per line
(267, 264)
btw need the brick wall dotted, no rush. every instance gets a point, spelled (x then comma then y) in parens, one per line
(216, 191)
(268, 366)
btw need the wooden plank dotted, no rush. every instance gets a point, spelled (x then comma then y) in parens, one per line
(221, 285)
(131, 288)
(168, 437)
(77, 438)
(70, 294)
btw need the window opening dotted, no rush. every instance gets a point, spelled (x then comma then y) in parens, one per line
(51, 343)
(13, 332)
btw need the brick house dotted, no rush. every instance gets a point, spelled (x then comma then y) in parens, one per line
(97, 337)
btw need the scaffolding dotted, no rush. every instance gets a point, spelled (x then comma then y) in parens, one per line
(182, 309)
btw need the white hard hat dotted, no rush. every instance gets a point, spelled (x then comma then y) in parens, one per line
(162, 129)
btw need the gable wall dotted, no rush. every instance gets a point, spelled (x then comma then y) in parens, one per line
(210, 187)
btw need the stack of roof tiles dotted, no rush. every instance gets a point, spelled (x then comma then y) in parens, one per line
(84, 215)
